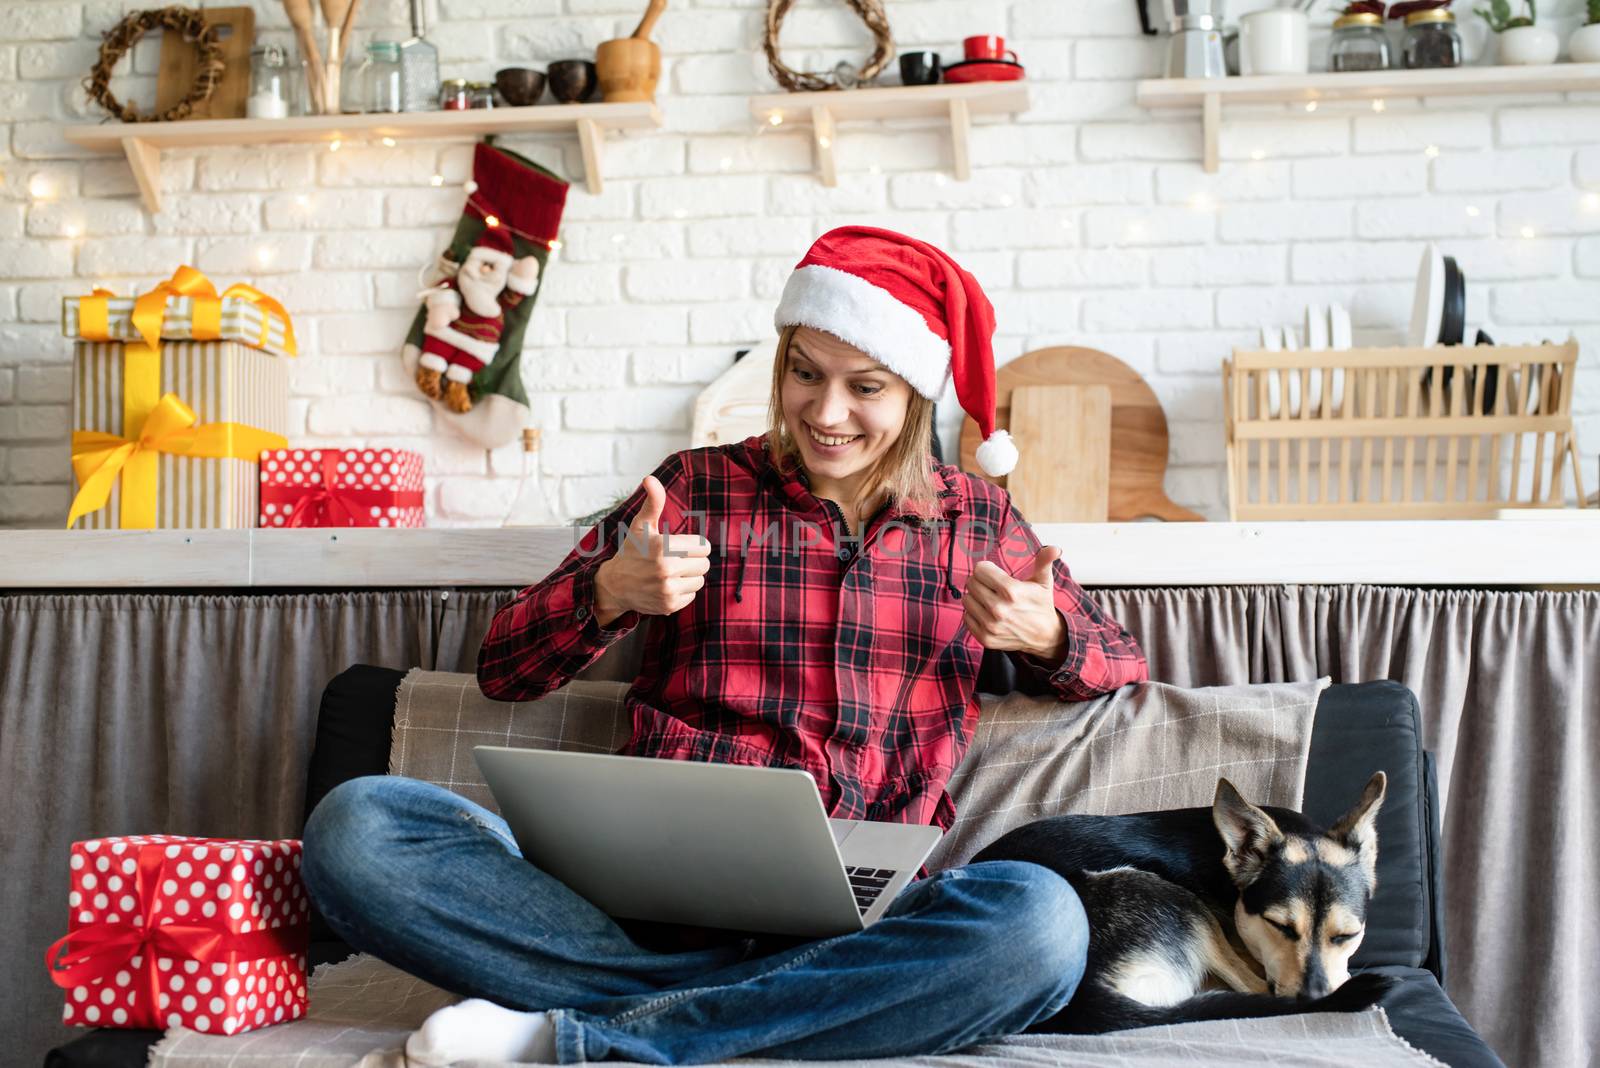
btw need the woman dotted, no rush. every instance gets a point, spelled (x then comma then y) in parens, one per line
(819, 598)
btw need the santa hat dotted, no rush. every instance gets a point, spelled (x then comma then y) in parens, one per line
(910, 307)
(495, 243)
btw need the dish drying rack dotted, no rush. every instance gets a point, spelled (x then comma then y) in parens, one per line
(1457, 432)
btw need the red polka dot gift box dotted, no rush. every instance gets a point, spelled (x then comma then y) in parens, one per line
(341, 488)
(204, 933)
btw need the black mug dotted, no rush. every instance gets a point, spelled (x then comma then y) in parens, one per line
(920, 68)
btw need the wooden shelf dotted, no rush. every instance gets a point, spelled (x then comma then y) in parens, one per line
(824, 110)
(143, 143)
(1558, 549)
(1209, 94)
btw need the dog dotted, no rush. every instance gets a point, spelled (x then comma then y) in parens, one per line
(1172, 897)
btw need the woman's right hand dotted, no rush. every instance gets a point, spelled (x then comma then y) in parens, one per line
(652, 573)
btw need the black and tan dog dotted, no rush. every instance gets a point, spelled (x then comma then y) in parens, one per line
(1171, 896)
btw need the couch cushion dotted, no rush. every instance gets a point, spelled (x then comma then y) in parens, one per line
(1148, 746)
(440, 716)
(1362, 728)
(1421, 1013)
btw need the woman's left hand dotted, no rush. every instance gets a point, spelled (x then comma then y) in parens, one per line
(1016, 615)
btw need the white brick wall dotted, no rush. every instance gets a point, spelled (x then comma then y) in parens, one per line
(1088, 219)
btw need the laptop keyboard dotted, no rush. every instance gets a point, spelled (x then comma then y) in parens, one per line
(868, 884)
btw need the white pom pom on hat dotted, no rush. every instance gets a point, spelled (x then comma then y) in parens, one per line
(912, 308)
(997, 455)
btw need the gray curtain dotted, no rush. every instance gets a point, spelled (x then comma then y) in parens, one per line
(179, 713)
(194, 714)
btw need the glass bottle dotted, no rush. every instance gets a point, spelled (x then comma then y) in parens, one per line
(381, 77)
(1359, 43)
(531, 506)
(419, 65)
(1432, 39)
(270, 87)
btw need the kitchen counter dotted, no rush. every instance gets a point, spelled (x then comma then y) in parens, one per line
(1541, 549)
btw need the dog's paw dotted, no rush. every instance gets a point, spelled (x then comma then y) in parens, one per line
(1359, 993)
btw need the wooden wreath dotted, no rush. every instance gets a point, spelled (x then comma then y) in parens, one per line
(185, 20)
(871, 12)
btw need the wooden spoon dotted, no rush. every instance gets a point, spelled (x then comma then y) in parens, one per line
(301, 18)
(346, 26)
(333, 12)
(642, 31)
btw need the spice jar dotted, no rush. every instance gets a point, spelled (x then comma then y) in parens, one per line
(482, 94)
(270, 87)
(1431, 40)
(455, 94)
(1359, 43)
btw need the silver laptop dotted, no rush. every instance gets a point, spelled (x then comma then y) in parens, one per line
(715, 845)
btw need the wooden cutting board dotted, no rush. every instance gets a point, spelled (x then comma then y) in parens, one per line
(236, 27)
(1070, 480)
(1138, 428)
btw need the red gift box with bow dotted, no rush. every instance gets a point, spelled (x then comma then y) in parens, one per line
(341, 488)
(204, 933)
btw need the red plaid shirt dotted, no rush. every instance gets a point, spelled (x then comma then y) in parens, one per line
(844, 657)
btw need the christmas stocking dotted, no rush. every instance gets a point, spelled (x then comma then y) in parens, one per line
(465, 346)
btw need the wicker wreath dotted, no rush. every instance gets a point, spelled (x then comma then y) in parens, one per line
(185, 20)
(871, 12)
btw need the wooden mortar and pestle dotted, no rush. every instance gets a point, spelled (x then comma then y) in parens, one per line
(629, 67)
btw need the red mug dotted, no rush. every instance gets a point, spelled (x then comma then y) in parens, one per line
(988, 46)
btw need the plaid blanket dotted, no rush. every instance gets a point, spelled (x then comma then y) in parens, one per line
(1147, 746)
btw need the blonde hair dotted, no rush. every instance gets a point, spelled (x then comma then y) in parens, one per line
(904, 473)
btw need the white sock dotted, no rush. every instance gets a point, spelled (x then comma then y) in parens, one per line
(478, 1030)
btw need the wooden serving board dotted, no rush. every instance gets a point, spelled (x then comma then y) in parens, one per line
(1138, 427)
(180, 62)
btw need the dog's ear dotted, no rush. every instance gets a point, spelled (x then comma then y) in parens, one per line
(1248, 832)
(1357, 829)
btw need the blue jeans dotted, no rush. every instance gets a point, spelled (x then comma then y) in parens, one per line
(434, 884)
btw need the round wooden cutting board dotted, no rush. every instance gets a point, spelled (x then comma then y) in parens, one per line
(1138, 426)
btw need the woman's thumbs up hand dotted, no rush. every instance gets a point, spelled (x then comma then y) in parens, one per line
(652, 573)
(1016, 615)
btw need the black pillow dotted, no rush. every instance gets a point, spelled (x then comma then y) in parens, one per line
(1361, 728)
(355, 722)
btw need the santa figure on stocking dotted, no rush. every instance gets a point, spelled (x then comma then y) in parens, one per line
(466, 315)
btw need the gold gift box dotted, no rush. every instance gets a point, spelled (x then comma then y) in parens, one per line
(224, 382)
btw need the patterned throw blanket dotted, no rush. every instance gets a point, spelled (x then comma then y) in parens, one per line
(1144, 747)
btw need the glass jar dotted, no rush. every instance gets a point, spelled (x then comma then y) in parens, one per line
(271, 90)
(455, 94)
(353, 83)
(1431, 40)
(380, 77)
(482, 94)
(1359, 43)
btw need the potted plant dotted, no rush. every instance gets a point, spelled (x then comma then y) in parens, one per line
(1522, 42)
(1584, 44)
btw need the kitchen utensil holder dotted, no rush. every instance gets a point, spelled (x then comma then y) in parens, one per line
(1446, 432)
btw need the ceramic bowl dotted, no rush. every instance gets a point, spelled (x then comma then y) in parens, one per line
(519, 86)
(573, 81)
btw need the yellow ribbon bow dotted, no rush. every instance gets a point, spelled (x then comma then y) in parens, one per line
(98, 458)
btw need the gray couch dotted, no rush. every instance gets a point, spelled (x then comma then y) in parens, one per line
(1358, 728)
